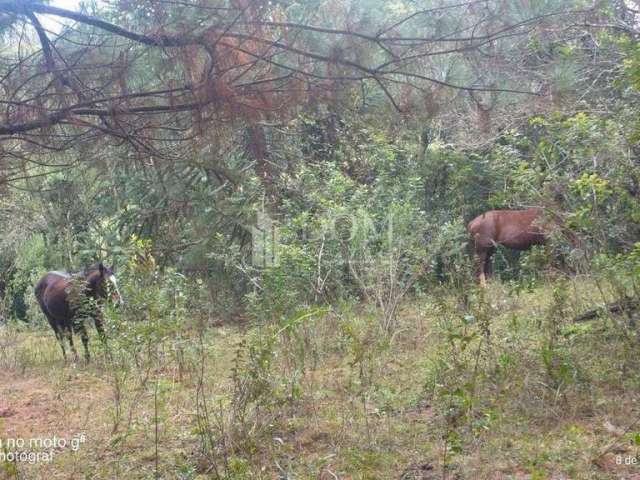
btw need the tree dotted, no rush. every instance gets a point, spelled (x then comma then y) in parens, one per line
(165, 73)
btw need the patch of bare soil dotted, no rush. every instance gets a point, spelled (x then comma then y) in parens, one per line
(47, 415)
(32, 406)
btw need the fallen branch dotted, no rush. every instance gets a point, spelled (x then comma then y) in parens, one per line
(626, 305)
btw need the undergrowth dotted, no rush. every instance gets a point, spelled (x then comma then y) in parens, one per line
(463, 388)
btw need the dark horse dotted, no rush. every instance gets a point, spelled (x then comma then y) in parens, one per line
(67, 299)
(515, 229)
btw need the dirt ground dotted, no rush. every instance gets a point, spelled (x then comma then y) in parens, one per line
(49, 420)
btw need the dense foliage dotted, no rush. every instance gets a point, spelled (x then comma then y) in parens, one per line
(354, 188)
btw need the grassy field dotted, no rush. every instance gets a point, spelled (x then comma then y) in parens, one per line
(488, 385)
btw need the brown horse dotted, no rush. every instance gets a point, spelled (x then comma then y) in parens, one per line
(515, 229)
(67, 299)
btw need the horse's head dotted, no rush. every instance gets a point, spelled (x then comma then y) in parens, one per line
(102, 282)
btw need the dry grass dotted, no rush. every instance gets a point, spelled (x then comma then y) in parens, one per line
(335, 399)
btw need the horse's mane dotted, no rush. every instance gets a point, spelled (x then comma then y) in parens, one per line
(84, 273)
(88, 271)
(79, 274)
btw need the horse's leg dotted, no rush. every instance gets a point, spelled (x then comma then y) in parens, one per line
(57, 330)
(85, 342)
(60, 339)
(69, 333)
(488, 264)
(79, 327)
(483, 279)
(480, 267)
(484, 266)
(99, 327)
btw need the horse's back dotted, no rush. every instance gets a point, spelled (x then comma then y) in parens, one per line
(50, 278)
(51, 295)
(513, 228)
(526, 216)
(60, 273)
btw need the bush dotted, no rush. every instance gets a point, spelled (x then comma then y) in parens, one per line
(28, 266)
